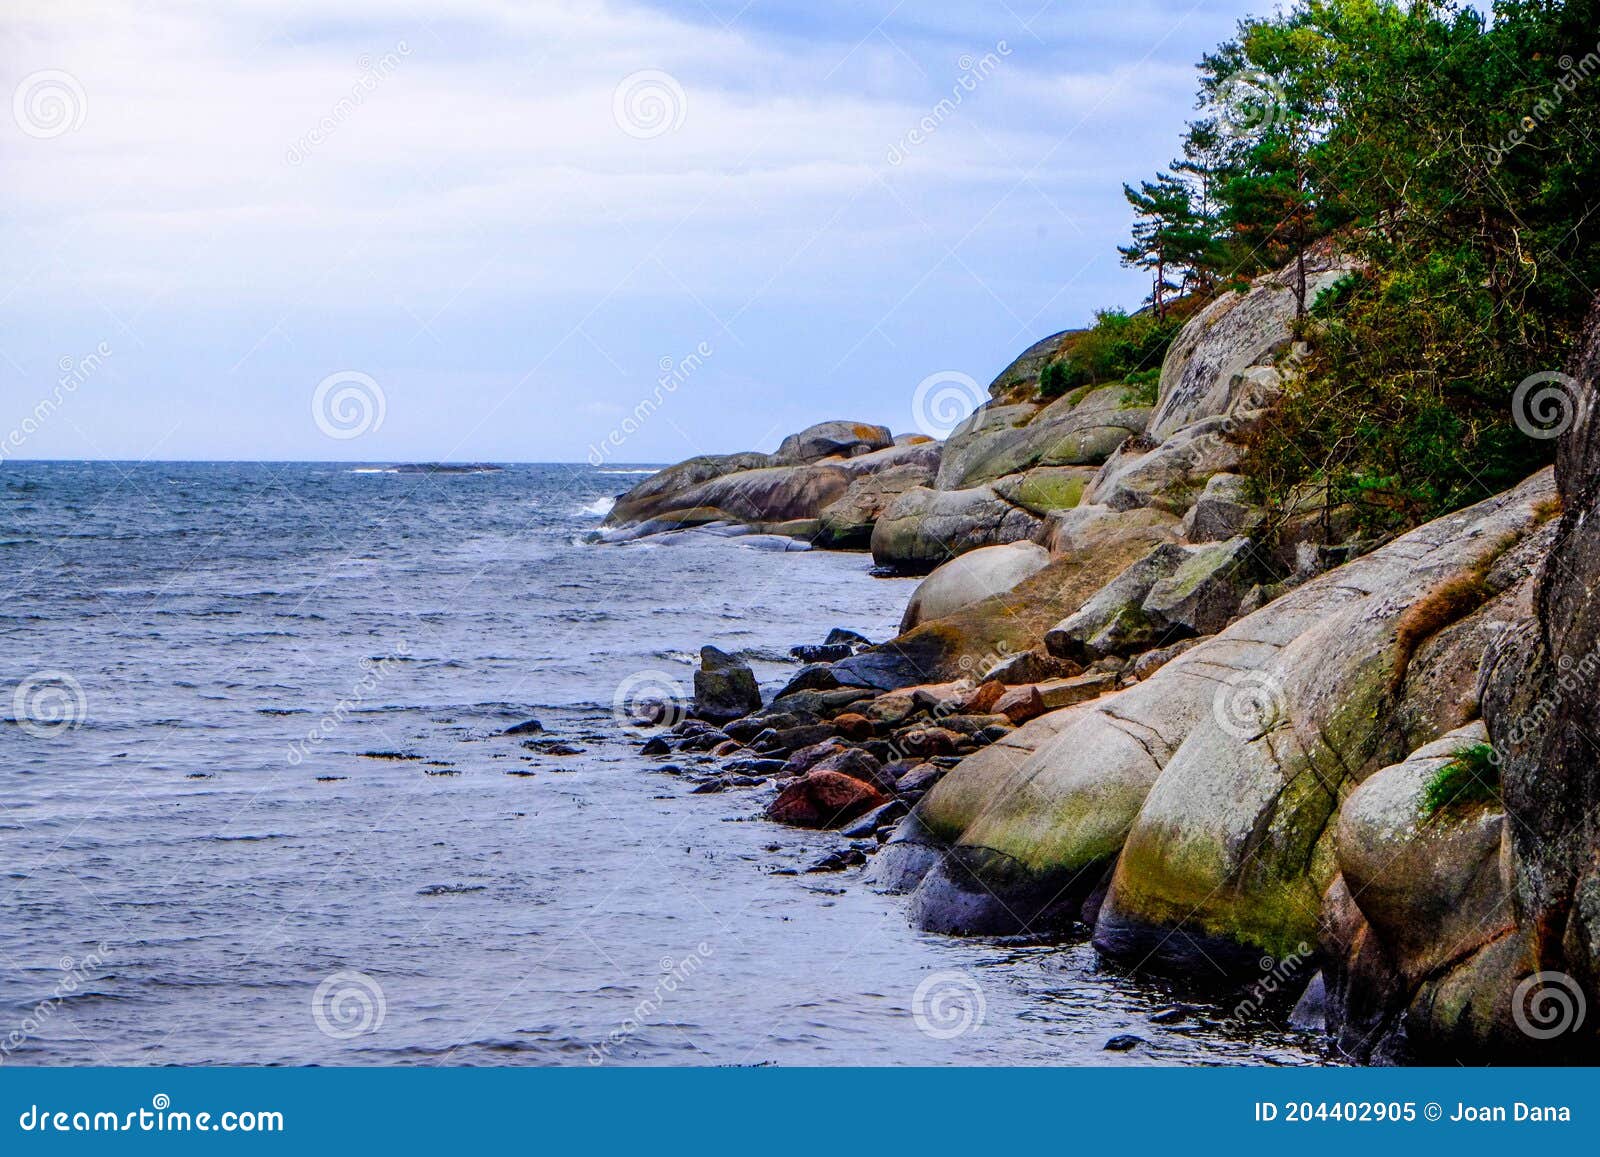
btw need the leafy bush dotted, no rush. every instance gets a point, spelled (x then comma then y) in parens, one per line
(1119, 347)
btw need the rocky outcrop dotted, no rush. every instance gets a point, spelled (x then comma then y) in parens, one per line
(1209, 784)
(1071, 431)
(1208, 371)
(832, 440)
(923, 528)
(847, 523)
(975, 576)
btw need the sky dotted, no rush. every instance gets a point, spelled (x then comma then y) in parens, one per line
(381, 230)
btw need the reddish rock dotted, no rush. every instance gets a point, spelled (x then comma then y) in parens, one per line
(853, 726)
(727, 747)
(1020, 704)
(806, 758)
(824, 799)
(982, 698)
(929, 741)
(858, 764)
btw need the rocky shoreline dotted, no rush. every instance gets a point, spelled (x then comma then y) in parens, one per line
(1252, 752)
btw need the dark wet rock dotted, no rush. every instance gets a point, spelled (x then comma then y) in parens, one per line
(553, 747)
(710, 786)
(656, 745)
(1169, 1015)
(529, 727)
(1123, 1042)
(702, 740)
(839, 861)
(760, 767)
(817, 677)
(821, 652)
(919, 778)
(882, 817)
(820, 704)
(724, 687)
(847, 637)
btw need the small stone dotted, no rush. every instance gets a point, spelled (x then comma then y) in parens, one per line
(529, 727)
(1123, 1042)
(656, 745)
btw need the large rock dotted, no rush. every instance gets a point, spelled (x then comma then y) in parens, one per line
(1540, 694)
(984, 635)
(1430, 883)
(659, 493)
(1171, 474)
(1204, 374)
(847, 524)
(1046, 489)
(1203, 594)
(1221, 769)
(923, 528)
(724, 687)
(1071, 431)
(1224, 510)
(1020, 379)
(976, 575)
(1230, 853)
(830, 440)
(1112, 621)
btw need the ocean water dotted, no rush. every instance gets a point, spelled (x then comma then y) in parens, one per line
(256, 806)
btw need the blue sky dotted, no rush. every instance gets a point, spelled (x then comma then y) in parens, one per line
(506, 219)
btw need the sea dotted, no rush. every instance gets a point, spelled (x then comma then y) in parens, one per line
(258, 806)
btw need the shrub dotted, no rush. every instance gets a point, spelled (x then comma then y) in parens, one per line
(1472, 776)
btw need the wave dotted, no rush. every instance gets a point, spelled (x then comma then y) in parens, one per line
(600, 506)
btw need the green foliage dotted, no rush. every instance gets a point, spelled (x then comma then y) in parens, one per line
(1119, 347)
(1471, 776)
